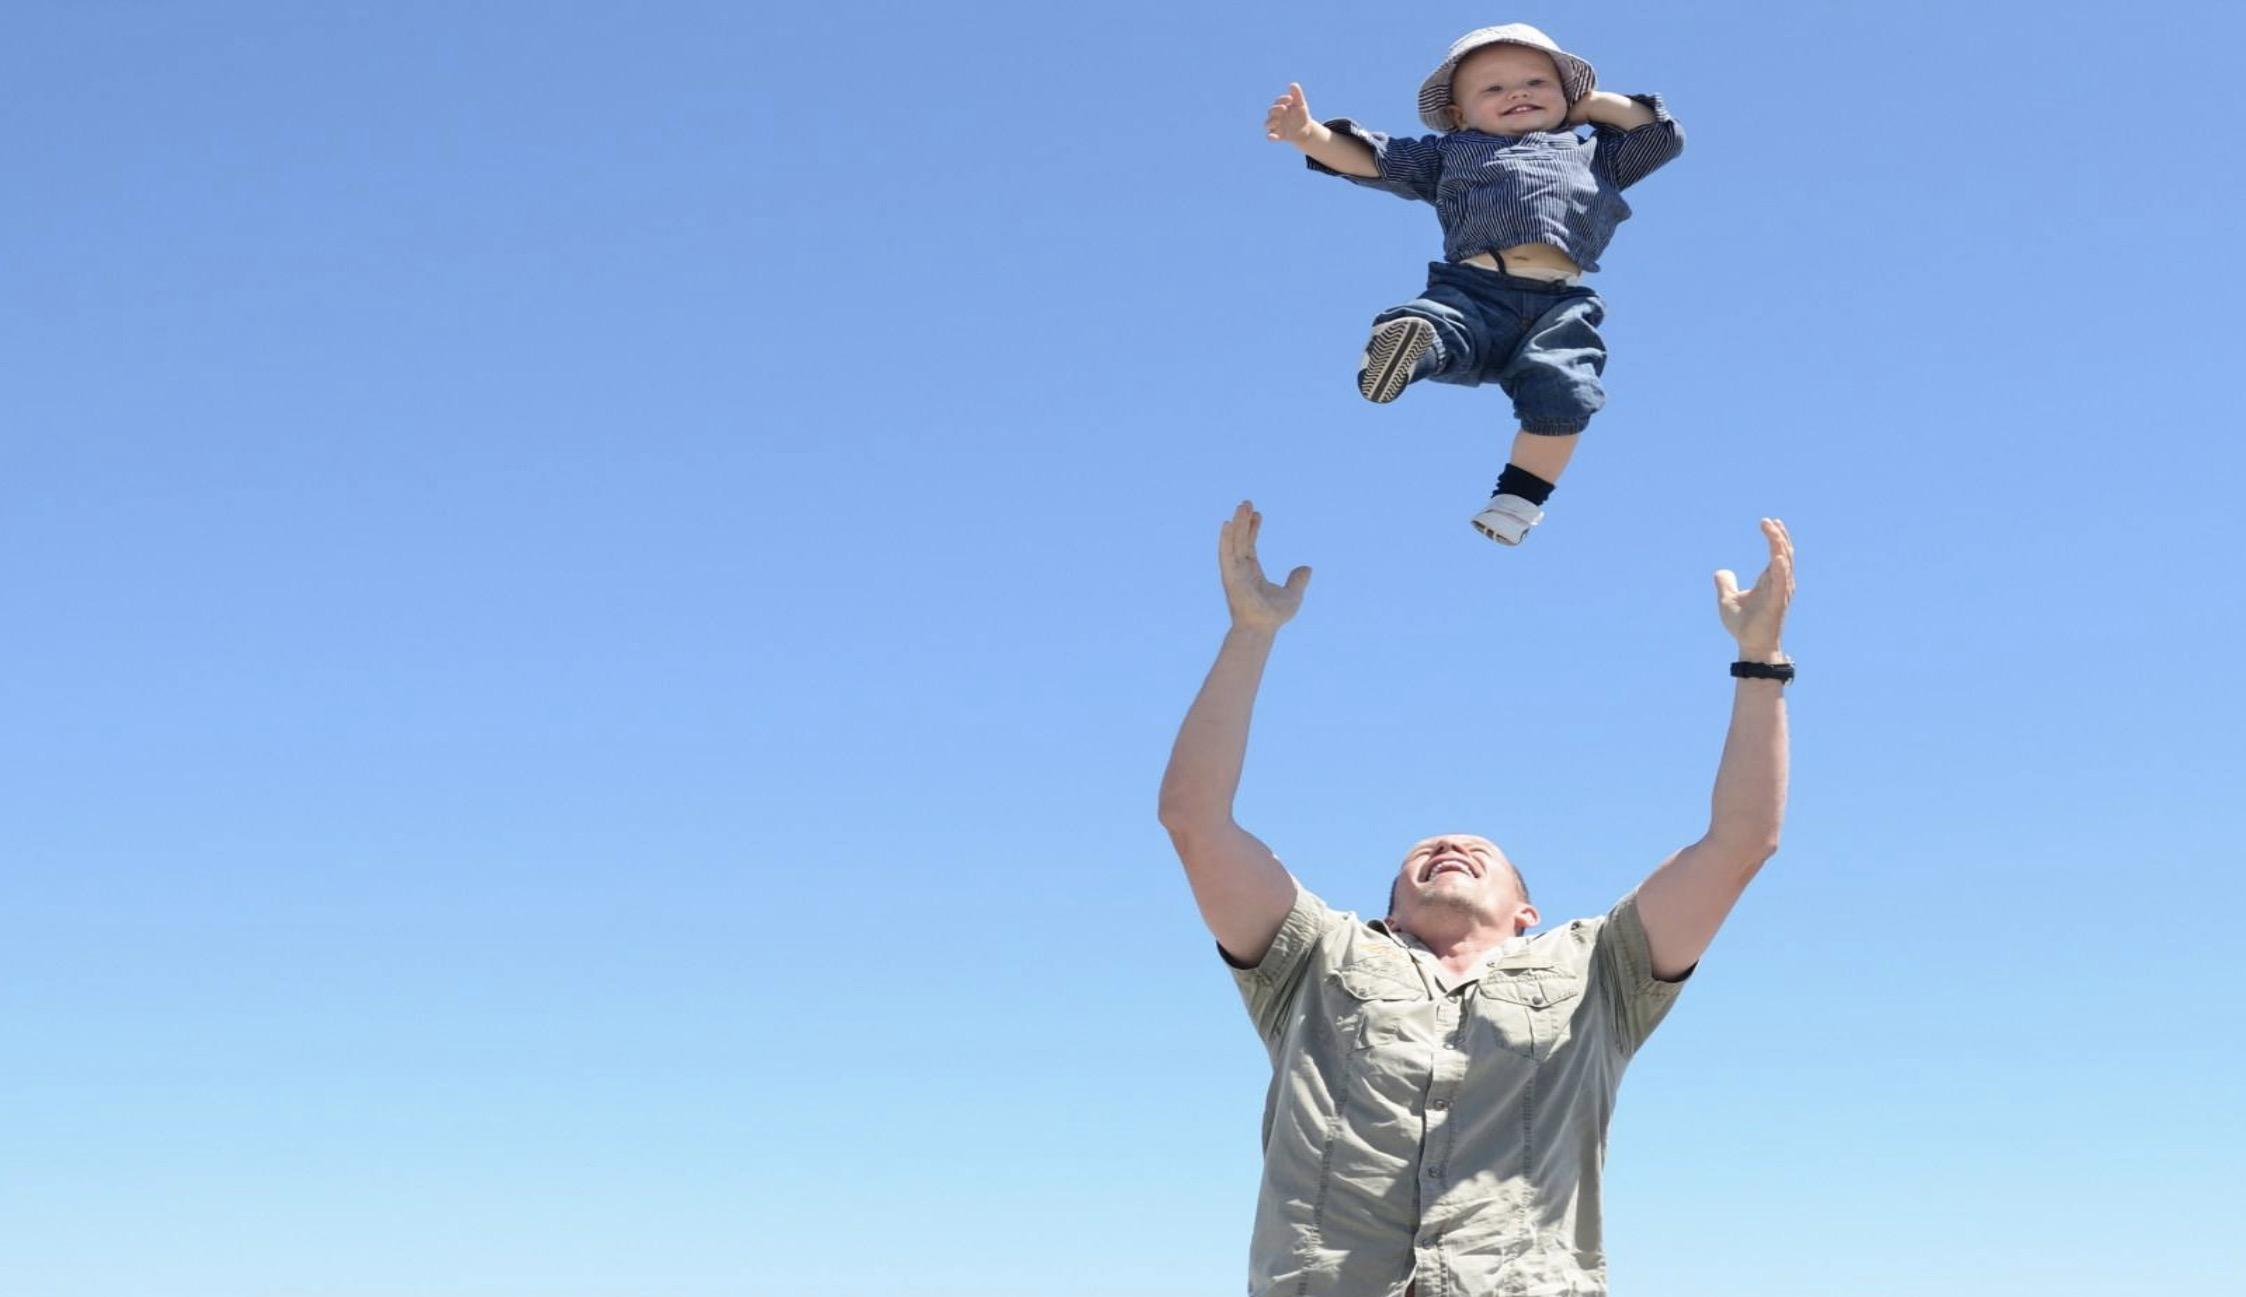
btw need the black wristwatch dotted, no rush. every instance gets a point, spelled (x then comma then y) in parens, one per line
(1782, 672)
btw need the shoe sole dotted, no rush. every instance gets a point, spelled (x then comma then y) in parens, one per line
(1498, 537)
(1390, 356)
(1494, 536)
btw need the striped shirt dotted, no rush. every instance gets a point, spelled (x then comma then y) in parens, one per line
(1499, 191)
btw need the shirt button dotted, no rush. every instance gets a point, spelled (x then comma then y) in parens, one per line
(1434, 1173)
(1450, 1042)
(1439, 1105)
(1536, 1001)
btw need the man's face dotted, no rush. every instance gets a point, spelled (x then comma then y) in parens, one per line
(1508, 90)
(1464, 873)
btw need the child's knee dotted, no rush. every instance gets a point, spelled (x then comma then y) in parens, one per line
(1557, 402)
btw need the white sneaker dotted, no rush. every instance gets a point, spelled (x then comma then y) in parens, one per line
(1507, 518)
(1391, 354)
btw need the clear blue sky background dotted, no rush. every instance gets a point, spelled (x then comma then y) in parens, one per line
(593, 598)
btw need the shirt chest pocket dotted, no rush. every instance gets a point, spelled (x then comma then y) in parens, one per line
(1513, 183)
(1380, 1002)
(1528, 1010)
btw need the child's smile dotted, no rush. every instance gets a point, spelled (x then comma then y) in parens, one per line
(1508, 90)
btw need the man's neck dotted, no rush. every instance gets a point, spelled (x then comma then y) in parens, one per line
(1459, 949)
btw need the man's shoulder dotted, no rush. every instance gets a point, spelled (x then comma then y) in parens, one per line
(1569, 945)
(1313, 933)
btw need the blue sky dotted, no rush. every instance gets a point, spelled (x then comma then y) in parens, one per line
(594, 598)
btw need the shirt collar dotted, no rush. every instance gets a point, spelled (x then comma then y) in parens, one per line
(1511, 946)
(1567, 136)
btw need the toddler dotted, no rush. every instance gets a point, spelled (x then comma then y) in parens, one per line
(1526, 206)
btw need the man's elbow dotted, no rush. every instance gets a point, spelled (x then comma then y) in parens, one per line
(1181, 812)
(1190, 821)
(1746, 853)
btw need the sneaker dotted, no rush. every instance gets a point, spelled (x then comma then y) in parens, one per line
(1391, 355)
(1507, 518)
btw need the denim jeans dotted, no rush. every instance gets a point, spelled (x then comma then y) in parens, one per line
(1537, 340)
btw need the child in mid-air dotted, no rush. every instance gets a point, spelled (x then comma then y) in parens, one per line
(1527, 206)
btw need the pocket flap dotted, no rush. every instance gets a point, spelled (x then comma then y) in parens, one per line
(1380, 979)
(1539, 988)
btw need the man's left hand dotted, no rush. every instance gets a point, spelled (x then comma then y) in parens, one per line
(1755, 616)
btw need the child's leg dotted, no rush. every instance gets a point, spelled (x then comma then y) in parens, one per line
(1543, 455)
(1431, 336)
(1554, 381)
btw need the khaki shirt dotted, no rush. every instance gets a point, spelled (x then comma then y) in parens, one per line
(1448, 1136)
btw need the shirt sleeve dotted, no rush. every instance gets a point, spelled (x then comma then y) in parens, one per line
(1622, 960)
(1409, 168)
(1272, 986)
(1629, 156)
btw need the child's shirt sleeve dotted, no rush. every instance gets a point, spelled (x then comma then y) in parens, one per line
(1409, 168)
(1629, 156)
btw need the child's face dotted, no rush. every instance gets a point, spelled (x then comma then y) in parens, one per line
(1508, 90)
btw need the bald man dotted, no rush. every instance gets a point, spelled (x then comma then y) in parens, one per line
(1442, 1078)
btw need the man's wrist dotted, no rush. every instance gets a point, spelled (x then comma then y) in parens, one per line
(1773, 655)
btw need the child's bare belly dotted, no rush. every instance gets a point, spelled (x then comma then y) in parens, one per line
(1527, 256)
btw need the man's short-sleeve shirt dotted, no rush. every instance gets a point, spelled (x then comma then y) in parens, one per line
(1452, 1137)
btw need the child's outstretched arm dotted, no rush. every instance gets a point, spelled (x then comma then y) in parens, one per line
(1290, 120)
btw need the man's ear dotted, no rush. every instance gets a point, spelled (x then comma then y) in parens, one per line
(1525, 918)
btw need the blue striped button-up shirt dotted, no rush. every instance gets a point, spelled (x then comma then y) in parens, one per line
(1499, 191)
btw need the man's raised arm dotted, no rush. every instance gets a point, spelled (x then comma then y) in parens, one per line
(1242, 889)
(1685, 900)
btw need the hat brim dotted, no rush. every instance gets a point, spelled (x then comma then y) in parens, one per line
(1577, 78)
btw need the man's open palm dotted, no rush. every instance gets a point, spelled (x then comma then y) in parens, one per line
(1256, 603)
(1755, 616)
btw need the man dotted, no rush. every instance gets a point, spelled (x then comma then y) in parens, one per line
(1441, 1081)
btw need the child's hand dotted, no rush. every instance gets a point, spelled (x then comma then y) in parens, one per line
(1289, 119)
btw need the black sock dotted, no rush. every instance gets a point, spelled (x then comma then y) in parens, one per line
(1516, 480)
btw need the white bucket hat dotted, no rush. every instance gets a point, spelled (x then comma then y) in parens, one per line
(1576, 77)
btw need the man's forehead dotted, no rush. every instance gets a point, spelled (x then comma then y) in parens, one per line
(1468, 840)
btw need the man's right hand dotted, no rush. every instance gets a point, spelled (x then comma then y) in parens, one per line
(1289, 119)
(1256, 603)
